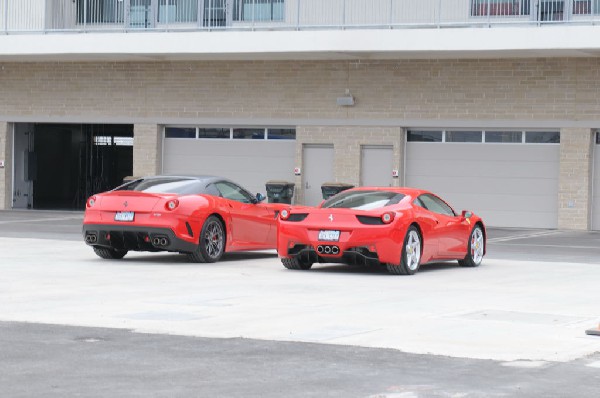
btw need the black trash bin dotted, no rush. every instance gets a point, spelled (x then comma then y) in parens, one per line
(280, 191)
(328, 189)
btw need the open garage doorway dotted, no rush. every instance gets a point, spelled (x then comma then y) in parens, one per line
(58, 166)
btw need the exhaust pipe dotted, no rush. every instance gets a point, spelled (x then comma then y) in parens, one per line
(163, 241)
(320, 249)
(335, 250)
(91, 238)
(327, 249)
(156, 241)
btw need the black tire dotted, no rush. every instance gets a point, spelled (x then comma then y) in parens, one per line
(474, 254)
(409, 261)
(295, 263)
(211, 244)
(108, 253)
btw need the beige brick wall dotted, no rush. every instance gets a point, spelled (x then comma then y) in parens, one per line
(558, 92)
(575, 179)
(512, 89)
(147, 152)
(347, 142)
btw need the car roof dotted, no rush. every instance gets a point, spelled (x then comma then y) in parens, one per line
(412, 192)
(203, 179)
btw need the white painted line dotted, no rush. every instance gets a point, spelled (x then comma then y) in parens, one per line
(41, 220)
(525, 236)
(538, 245)
(525, 364)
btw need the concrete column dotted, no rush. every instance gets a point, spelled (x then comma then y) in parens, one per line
(575, 178)
(6, 170)
(147, 149)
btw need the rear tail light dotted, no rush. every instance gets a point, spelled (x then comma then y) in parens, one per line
(172, 204)
(284, 214)
(387, 217)
(91, 201)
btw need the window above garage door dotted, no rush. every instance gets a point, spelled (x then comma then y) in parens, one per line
(484, 136)
(231, 133)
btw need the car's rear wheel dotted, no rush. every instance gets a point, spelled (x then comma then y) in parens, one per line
(411, 254)
(108, 253)
(475, 249)
(295, 263)
(211, 245)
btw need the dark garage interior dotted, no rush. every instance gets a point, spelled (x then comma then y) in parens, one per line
(73, 161)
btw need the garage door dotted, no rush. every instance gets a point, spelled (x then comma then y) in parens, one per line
(249, 157)
(510, 178)
(596, 191)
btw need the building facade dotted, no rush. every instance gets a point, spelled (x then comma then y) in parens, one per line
(492, 104)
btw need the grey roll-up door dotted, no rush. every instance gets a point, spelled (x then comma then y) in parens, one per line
(596, 190)
(251, 163)
(509, 185)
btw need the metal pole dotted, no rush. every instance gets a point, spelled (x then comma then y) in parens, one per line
(5, 16)
(344, 14)
(488, 13)
(85, 4)
(298, 16)
(439, 14)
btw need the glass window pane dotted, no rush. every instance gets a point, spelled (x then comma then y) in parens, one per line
(281, 134)
(180, 132)
(504, 136)
(598, 138)
(214, 132)
(424, 136)
(542, 137)
(463, 136)
(249, 134)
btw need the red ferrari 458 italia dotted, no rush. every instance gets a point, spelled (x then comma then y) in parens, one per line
(202, 217)
(400, 228)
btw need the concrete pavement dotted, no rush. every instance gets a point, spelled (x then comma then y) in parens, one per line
(504, 310)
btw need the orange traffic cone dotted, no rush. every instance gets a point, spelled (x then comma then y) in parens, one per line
(594, 332)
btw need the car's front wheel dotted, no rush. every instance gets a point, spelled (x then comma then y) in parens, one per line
(108, 253)
(411, 254)
(211, 245)
(295, 263)
(475, 249)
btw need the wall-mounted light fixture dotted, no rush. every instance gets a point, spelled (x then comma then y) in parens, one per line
(346, 100)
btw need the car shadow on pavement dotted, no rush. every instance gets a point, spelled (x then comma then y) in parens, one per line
(179, 259)
(378, 270)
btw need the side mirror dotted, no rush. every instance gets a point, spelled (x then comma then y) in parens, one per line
(467, 214)
(260, 197)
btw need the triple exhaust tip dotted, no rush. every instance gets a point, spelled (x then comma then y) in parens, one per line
(326, 249)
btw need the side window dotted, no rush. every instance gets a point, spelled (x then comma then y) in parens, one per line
(419, 203)
(211, 189)
(233, 192)
(436, 205)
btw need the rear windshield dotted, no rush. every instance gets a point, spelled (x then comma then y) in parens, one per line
(363, 200)
(174, 185)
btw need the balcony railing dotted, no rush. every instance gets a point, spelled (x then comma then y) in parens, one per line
(21, 16)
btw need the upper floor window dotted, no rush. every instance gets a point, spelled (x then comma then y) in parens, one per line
(170, 11)
(499, 8)
(258, 10)
(586, 7)
(100, 11)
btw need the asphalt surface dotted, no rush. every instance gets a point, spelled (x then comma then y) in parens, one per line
(157, 326)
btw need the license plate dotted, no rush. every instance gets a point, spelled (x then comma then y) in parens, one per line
(124, 216)
(329, 235)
